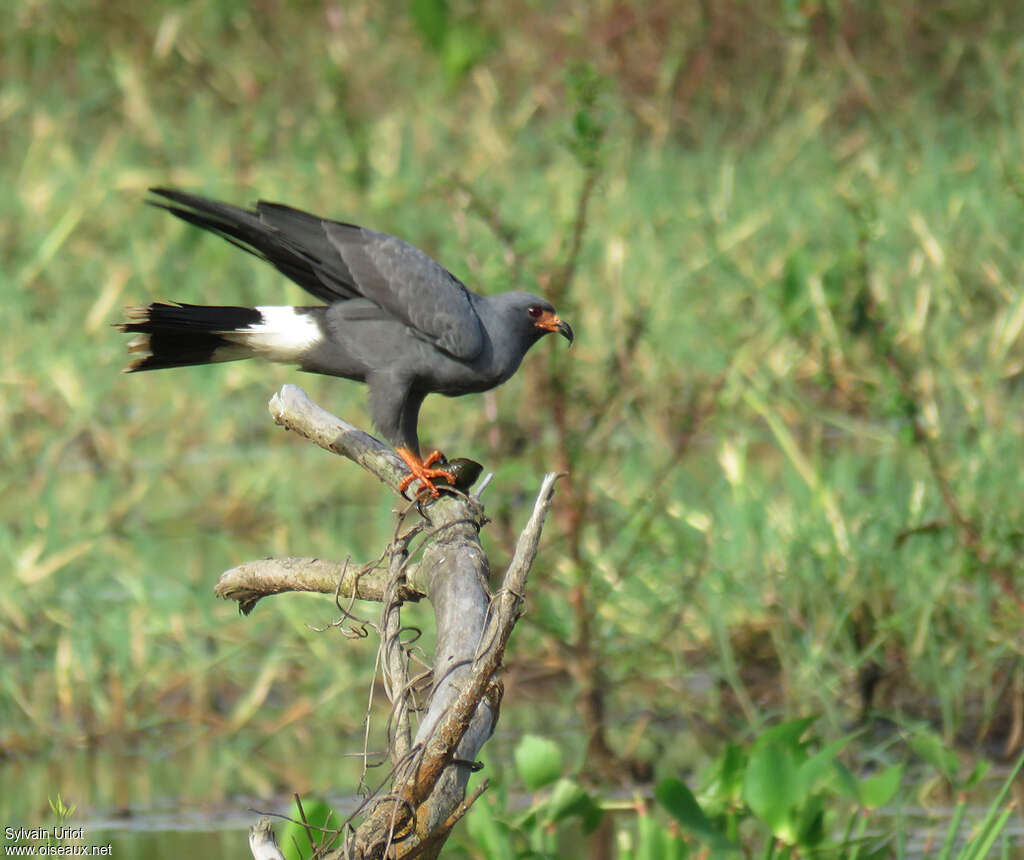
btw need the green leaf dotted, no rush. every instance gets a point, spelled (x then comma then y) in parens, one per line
(930, 747)
(987, 837)
(538, 761)
(61, 809)
(680, 803)
(677, 848)
(569, 799)
(489, 833)
(821, 765)
(787, 734)
(590, 818)
(876, 791)
(294, 839)
(771, 787)
(953, 830)
(722, 788)
(980, 771)
(527, 819)
(655, 843)
(734, 766)
(811, 823)
(846, 782)
(994, 821)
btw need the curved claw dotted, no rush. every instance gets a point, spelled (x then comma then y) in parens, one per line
(419, 470)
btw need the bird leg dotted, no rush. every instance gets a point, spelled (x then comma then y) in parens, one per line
(419, 470)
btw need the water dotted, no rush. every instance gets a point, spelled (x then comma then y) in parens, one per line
(175, 801)
(200, 801)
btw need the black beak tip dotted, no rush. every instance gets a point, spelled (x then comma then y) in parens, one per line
(565, 330)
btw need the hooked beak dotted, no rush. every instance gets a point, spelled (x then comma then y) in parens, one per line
(551, 322)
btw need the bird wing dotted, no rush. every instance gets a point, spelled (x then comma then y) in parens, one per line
(335, 261)
(410, 285)
(402, 280)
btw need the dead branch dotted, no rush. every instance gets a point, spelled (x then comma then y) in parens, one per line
(252, 580)
(460, 718)
(293, 410)
(432, 767)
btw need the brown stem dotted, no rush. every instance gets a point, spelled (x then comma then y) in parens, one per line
(559, 287)
(586, 661)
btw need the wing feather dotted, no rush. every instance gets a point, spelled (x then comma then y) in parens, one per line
(335, 261)
(411, 285)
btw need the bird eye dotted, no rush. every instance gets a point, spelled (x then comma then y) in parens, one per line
(535, 312)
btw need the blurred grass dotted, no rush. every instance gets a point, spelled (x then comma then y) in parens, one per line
(767, 194)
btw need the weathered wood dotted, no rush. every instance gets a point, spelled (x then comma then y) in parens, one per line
(463, 706)
(252, 580)
(293, 410)
(433, 766)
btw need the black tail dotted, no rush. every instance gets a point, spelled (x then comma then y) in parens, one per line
(181, 335)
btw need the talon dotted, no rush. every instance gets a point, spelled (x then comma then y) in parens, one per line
(419, 470)
(432, 457)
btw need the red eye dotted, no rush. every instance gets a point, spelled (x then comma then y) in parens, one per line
(535, 312)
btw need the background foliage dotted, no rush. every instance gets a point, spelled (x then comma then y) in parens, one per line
(788, 236)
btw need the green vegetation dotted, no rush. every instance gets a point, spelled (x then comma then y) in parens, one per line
(790, 242)
(785, 796)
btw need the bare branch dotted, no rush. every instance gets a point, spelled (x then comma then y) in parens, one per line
(431, 770)
(293, 410)
(529, 540)
(430, 846)
(249, 582)
(439, 746)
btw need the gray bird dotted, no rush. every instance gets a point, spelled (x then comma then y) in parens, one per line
(394, 318)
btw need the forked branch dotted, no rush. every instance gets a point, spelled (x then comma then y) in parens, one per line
(427, 792)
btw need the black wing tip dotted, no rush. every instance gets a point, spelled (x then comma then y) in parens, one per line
(183, 198)
(178, 195)
(205, 206)
(187, 207)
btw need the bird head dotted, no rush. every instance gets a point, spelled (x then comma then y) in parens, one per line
(534, 317)
(544, 318)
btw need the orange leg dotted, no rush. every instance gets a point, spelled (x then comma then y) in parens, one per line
(419, 470)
